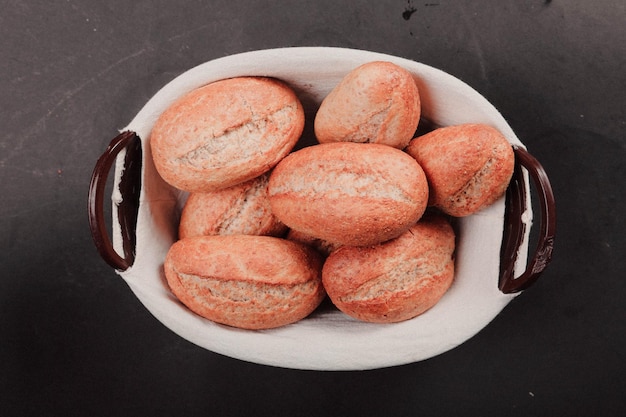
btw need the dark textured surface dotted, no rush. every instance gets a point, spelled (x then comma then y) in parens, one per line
(75, 341)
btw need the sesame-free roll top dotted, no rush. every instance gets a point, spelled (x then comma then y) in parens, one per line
(225, 133)
(349, 193)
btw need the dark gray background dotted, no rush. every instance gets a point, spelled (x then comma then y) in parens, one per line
(75, 341)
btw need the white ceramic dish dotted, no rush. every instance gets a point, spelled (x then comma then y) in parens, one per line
(328, 339)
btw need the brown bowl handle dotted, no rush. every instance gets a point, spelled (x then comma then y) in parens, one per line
(514, 228)
(127, 209)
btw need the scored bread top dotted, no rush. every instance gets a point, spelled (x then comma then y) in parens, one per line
(348, 193)
(251, 282)
(396, 280)
(226, 132)
(468, 166)
(377, 102)
(241, 209)
(243, 258)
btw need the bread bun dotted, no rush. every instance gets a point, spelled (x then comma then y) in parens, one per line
(394, 281)
(377, 102)
(348, 193)
(241, 209)
(225, 133)
(249, 282)
(468, 166)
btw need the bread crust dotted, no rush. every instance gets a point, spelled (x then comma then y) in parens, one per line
(468, 166)
(377, 102)
(396, 280)
(249, 282)
(322, 246)
(241, 209)
(225, 133)
(348, 193)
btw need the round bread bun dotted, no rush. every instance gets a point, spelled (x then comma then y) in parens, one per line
(377, 102)
(349, 193)
(396, 280)
(249, 282)
(226, 132)
(468, 166)
(241, 209)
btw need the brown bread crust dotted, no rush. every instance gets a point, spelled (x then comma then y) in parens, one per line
(249, 282)
(225, 133)
(323, 247)
(241, 209)
(377, 102)
(394, 281)
(349, 193)
(468, 166)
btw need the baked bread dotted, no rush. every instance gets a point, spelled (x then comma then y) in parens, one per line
(377, 102)
(468, 166)
(241, 209)
(249, 282)
(225, 133)
(348, 193)
(396, 280)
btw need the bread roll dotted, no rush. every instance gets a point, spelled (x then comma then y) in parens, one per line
(241, 209)
(468, 166)
(225, 133)
(377, 102)
(250, 282)
(394, 281)
(348, 193)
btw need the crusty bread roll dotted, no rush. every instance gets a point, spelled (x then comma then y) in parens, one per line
(468, 166)
(378, 102)
(348, 193)
(225, 133)
(250, 282)
(241, 209)
(396, 280)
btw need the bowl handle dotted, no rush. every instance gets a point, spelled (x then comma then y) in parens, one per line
(515, 228)
(127, 209)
